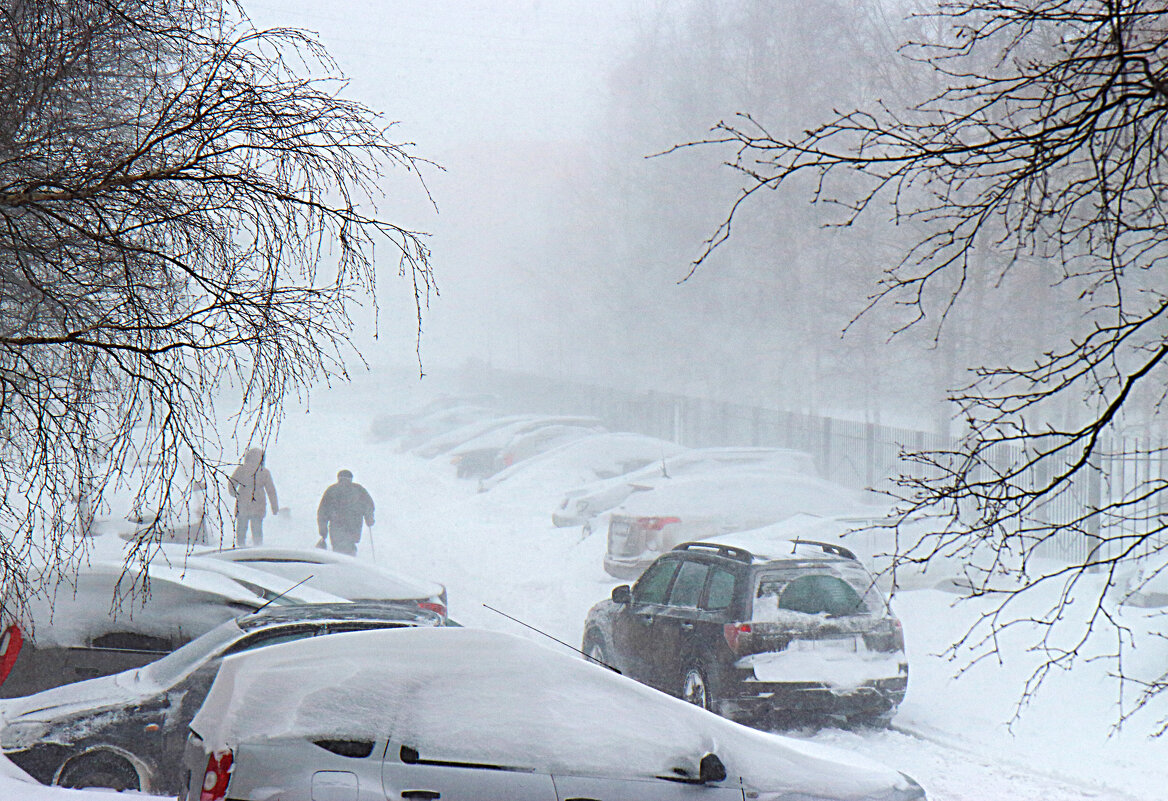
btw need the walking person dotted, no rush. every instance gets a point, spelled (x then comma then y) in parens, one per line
(343, 507)
(251, 485)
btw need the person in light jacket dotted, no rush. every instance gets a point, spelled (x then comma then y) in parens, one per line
(251, 485)
(343, 507)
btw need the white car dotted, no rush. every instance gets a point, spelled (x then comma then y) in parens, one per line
(475, 458)
(599, 457)
(338, 575)
(697, 507)
(468, 715)
(104, 619)
(582, 504)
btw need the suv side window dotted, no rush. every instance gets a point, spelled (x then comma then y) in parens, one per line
(687, 589)
(721, 593)
(651, 587)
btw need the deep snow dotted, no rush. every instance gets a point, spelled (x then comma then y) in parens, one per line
(500, 548)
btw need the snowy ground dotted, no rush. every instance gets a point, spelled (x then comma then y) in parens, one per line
(500, 548)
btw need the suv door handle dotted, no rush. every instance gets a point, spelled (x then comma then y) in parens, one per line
(421, 794)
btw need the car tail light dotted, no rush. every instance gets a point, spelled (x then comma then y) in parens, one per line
(656, 523)
(737, 636)
(433, 606)
(217, 776)
(10, 645)
(508, 459)
(897, 634)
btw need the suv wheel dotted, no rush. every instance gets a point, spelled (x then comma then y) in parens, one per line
(99, 769)
(594, 649)
(695, 687)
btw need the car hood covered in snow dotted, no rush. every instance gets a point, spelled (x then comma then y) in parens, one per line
(479, 696)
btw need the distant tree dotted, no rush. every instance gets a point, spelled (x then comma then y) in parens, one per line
(1040, 161)
(185, 207)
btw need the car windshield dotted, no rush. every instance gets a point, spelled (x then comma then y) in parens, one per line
(169, 670)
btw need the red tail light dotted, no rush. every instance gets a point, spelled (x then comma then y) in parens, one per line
(217, 776)
(433, 606)
(897, 634)
(10, 645)
(508, 459)
(656, 523)
(737, 635)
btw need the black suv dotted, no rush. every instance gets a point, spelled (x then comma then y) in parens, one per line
(798, 631)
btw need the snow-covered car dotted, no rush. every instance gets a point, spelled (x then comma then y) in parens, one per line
(601, 456)
(697, 507)
(126, 731)
(579, 506)
(774, 630)
(337, 574)
(387, 426)
(431, 425)
(467, 715)
(475, 458)
(101, 620)
(447, 440)
(533, 443)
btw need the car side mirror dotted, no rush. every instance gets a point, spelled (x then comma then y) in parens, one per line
(711, 769)
(622, 594)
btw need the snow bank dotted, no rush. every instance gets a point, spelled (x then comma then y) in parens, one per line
(472, 695)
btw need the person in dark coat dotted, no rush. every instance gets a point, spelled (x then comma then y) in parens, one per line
(343, 507)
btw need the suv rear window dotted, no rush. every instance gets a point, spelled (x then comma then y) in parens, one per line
(817, 593)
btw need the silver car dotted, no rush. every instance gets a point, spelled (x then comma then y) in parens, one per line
(471, 715)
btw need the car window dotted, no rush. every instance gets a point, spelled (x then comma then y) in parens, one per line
(651, 587)
(687, 588)
(274, 637)
(721, 592)
(820, 594)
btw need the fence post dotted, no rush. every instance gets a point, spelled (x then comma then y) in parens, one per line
(825, 447)
(870, 447)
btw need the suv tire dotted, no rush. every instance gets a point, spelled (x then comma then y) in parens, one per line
(595, 650)
(696, 686)
(99, 769)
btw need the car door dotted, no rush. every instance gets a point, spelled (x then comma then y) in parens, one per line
(407, 775)
(604, 788)
(633, 629)
(674, 627)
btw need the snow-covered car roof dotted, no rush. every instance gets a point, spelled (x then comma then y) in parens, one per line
(450, 439)
(497, 438)
(338, 574)
(106, 596)
(747, 494)
(487, 697)
(692, 461)
(600, 456)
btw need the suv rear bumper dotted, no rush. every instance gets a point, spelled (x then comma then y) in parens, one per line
(754, 699)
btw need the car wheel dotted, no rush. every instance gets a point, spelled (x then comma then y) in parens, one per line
(594, 649)
(99, 769)
(696, 688)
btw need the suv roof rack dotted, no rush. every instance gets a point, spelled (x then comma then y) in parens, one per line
(826, 547)
(741, 554)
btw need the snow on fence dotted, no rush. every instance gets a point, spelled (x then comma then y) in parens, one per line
(865, 454)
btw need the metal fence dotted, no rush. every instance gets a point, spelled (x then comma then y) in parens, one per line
(869, 455)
